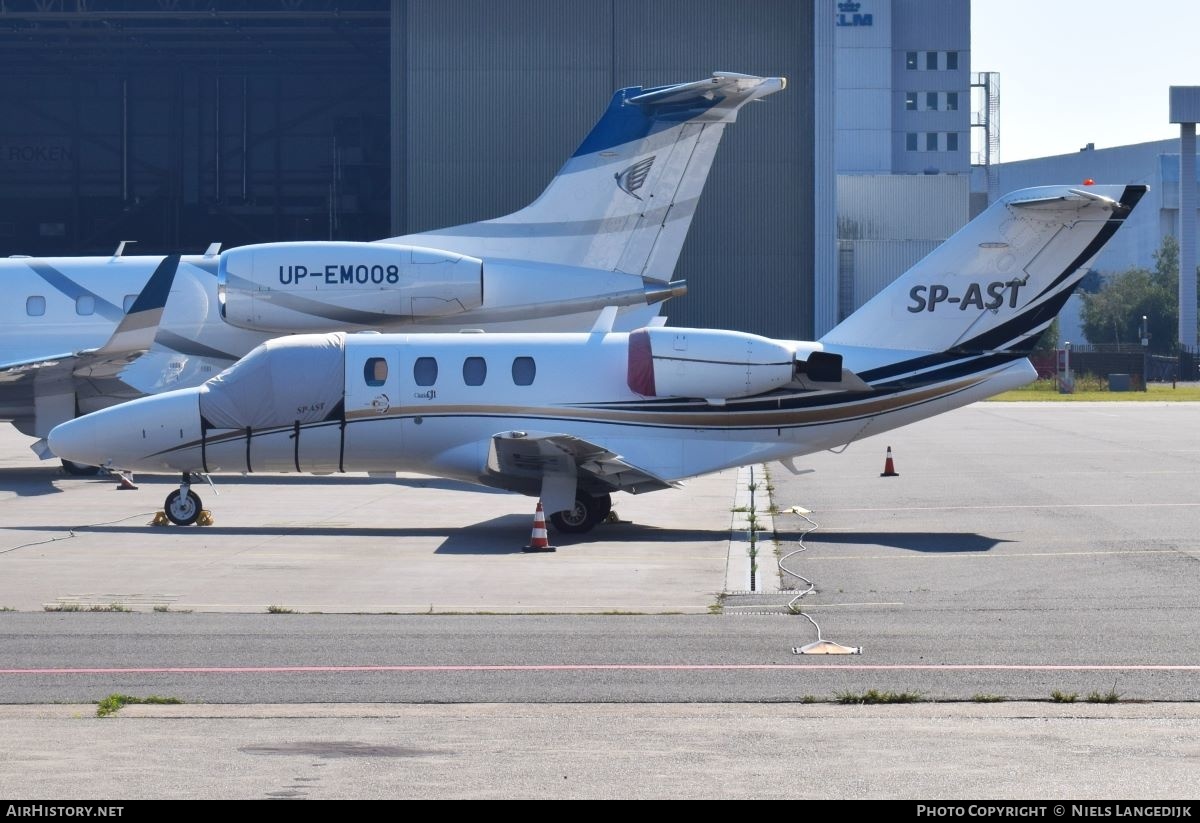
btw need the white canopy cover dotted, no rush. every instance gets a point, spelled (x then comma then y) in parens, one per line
(288, 379)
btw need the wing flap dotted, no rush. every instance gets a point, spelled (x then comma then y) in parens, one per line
(532, 456)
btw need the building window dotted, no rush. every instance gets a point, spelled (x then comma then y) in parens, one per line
(425, 371)
(85, 304)
(375, 371)
(128, 302)
(910, 141)
(931, 60)
(931, 141)
(931, 100)
(952, 141)
(951, 101)
(35, 306)
(474, 371)
(910, 60)
(523, 371)
(951, 61)
(910, 100)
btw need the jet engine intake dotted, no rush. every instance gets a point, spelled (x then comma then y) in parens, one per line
(706, 363)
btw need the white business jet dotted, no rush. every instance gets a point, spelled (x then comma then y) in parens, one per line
(572, 418)
(607, 231)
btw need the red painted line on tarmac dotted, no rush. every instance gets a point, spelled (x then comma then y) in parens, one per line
(649, 667)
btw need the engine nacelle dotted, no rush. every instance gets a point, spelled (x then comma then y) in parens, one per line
(324, 286)
(707, 363)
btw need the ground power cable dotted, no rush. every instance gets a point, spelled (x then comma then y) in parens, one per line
(71, 532)
(820, 645)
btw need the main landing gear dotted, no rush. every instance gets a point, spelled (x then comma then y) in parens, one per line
(183, 505)
(584, 515)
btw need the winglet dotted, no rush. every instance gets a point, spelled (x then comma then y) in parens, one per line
(136, 331)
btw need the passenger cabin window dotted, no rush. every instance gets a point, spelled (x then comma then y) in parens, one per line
(128, 302)
(85, 304)
(35, 306)
(474, 371)
(523, 371)
(425, 371)
(375, 371)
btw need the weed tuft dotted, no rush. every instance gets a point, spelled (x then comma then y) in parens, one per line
(114, 702)
(1058, 696)
(1110, 696)
(989, 698)
(874, 697)
(273, 609)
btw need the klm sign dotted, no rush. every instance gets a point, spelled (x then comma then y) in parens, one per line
(848, 15)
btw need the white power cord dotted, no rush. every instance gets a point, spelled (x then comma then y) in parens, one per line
(821, 645)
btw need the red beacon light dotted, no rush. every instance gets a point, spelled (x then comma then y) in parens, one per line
(1089, 182)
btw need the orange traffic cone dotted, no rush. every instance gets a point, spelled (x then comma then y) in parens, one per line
(125, 482)
(538, 542)
(889, 469)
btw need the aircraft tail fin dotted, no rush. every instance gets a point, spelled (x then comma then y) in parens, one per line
(625, 199)
(995, 285)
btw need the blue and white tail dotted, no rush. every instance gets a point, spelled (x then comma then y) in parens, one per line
(623, 202)
(987, 293)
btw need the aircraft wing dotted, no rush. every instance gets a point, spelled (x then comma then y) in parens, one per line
(132, 338)
(560, 463)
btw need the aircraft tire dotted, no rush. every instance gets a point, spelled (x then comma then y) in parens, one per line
(583, 516)
(182, 511)
(79, 469)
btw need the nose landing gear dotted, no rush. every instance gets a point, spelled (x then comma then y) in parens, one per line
(182, 506)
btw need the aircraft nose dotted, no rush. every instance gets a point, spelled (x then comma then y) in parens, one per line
(76, 441)
(142, 434)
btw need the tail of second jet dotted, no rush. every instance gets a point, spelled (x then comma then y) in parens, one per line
(624, 201)
(984, 296)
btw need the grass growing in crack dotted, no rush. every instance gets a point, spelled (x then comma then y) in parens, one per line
(874, 696)
(1110, 696)
(79, 607)
(114, 702)
(7, 609)
(273, 609)
(1058, 696)
(810, 698)
(988, 698)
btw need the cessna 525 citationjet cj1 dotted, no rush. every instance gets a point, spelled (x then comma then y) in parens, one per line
(574, 417)
(78, 334)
